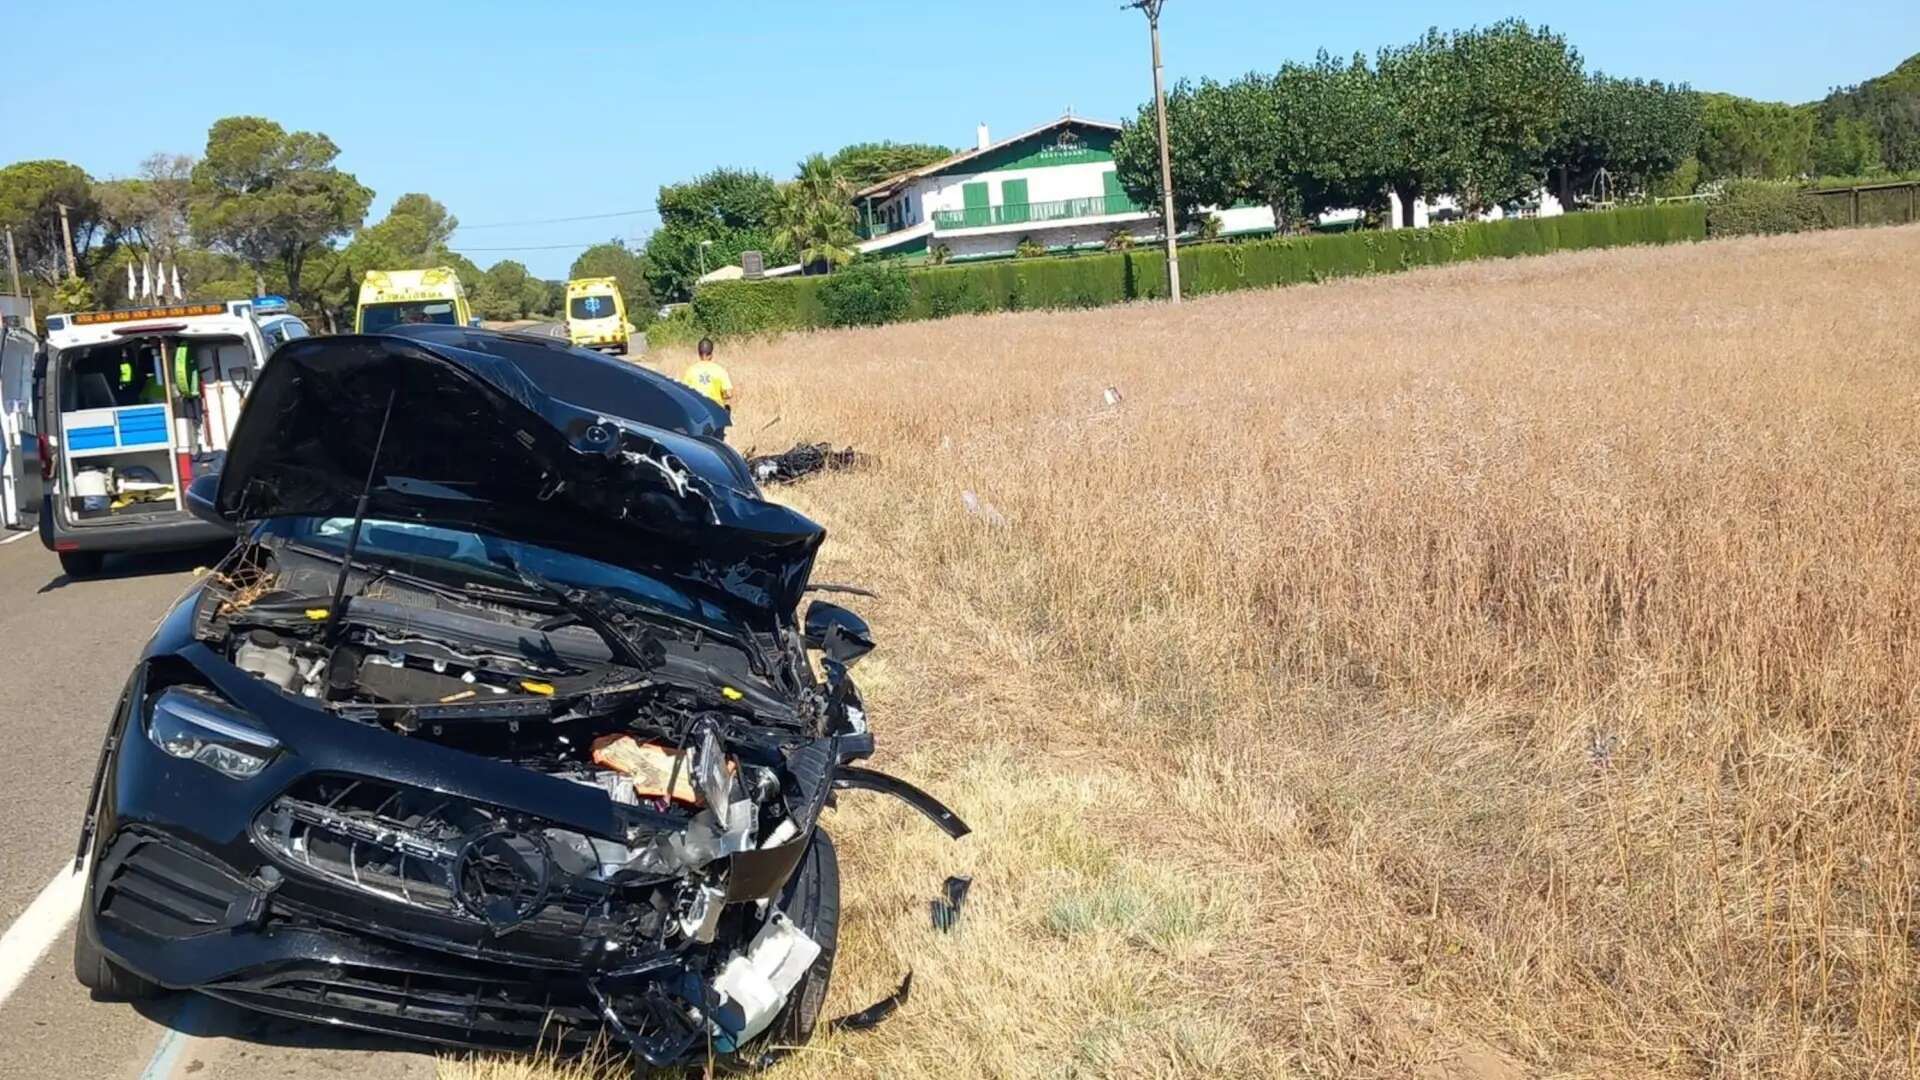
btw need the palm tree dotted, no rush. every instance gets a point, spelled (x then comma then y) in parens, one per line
(815, 215)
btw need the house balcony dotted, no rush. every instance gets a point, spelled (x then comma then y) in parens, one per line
(1018, 214)
(874, 230)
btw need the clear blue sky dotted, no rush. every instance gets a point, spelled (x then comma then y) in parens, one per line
(508, 112)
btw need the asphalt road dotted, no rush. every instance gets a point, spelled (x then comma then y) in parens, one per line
(65, 649)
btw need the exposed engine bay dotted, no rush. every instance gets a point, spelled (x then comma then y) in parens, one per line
(677, 724)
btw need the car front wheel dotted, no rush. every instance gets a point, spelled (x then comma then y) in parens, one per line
(108, 980)
(812, 901)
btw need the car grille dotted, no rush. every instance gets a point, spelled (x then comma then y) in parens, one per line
(166, 890)
(452, 857)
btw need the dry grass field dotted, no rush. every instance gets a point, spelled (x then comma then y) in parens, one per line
(1507, 670)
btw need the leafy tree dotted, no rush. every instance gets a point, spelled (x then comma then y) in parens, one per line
(1682, 179)
(1429, 134)
(1637, 131)
(508, 291)
(1845, 147)
(73, 294)
(1330, 137)
(274, 197)
(1215, 133)
(1883, 113)
(730, 209)
(1475, 112)
(1306, 139)
(466, 269)
(152, 210)
(215, 275)
(413, 236)
(815, 216)
(1521, 87)
(416, 229)
(612, 259)
(1743, 138)
(1472, 113)
(31, 194)
(730, 198)
(867, 163)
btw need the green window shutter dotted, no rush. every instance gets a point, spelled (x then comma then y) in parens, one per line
(974, 197)
(1117, 200)
(1013, 200)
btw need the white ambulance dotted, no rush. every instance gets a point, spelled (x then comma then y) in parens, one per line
(132, 405)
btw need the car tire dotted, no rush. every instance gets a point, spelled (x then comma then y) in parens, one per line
(81, 564)
(108, 980)
(812, 901)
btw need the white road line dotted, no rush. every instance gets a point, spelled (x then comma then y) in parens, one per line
(39, 927)
(173, 1041)
(18, 536)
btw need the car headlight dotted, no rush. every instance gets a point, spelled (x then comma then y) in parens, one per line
(196, 726)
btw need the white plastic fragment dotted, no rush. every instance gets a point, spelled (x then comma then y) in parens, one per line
(753, 986)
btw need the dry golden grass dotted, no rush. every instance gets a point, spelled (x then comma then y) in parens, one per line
(1502, 670)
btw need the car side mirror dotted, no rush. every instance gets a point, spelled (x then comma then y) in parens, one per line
(843, 636)
(202, 490)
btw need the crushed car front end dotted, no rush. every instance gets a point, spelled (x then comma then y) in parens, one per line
(368, 878)
(414, 773)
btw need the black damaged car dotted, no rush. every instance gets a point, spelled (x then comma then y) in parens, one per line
(496, 728)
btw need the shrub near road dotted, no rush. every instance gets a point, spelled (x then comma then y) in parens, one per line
(795, 303)
(1492, 671)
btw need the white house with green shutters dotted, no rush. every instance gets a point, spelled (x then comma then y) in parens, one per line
(1053, 185)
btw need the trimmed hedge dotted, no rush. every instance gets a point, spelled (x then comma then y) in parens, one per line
(1767, 208)
(1083, 281)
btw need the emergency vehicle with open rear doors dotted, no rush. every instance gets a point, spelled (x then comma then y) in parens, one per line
(133, 405)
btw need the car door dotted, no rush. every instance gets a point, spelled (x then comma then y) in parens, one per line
(18, 364)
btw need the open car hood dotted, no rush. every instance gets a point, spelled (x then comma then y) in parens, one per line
(523, 439)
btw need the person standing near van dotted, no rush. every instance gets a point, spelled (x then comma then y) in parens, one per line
(708, 377)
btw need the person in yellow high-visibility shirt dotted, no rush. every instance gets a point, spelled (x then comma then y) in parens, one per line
(708, 377)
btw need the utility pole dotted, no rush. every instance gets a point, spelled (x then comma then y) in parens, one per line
(13, 263)
(1152, 10)
(66, 230)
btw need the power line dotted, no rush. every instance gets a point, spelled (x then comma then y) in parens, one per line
(558, 220)
(532, 247)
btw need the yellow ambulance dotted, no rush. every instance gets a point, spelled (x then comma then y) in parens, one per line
(596, 315)
(390, 298)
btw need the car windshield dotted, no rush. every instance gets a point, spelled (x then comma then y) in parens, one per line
(377, 317)
(591, 307)
(457, 556)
